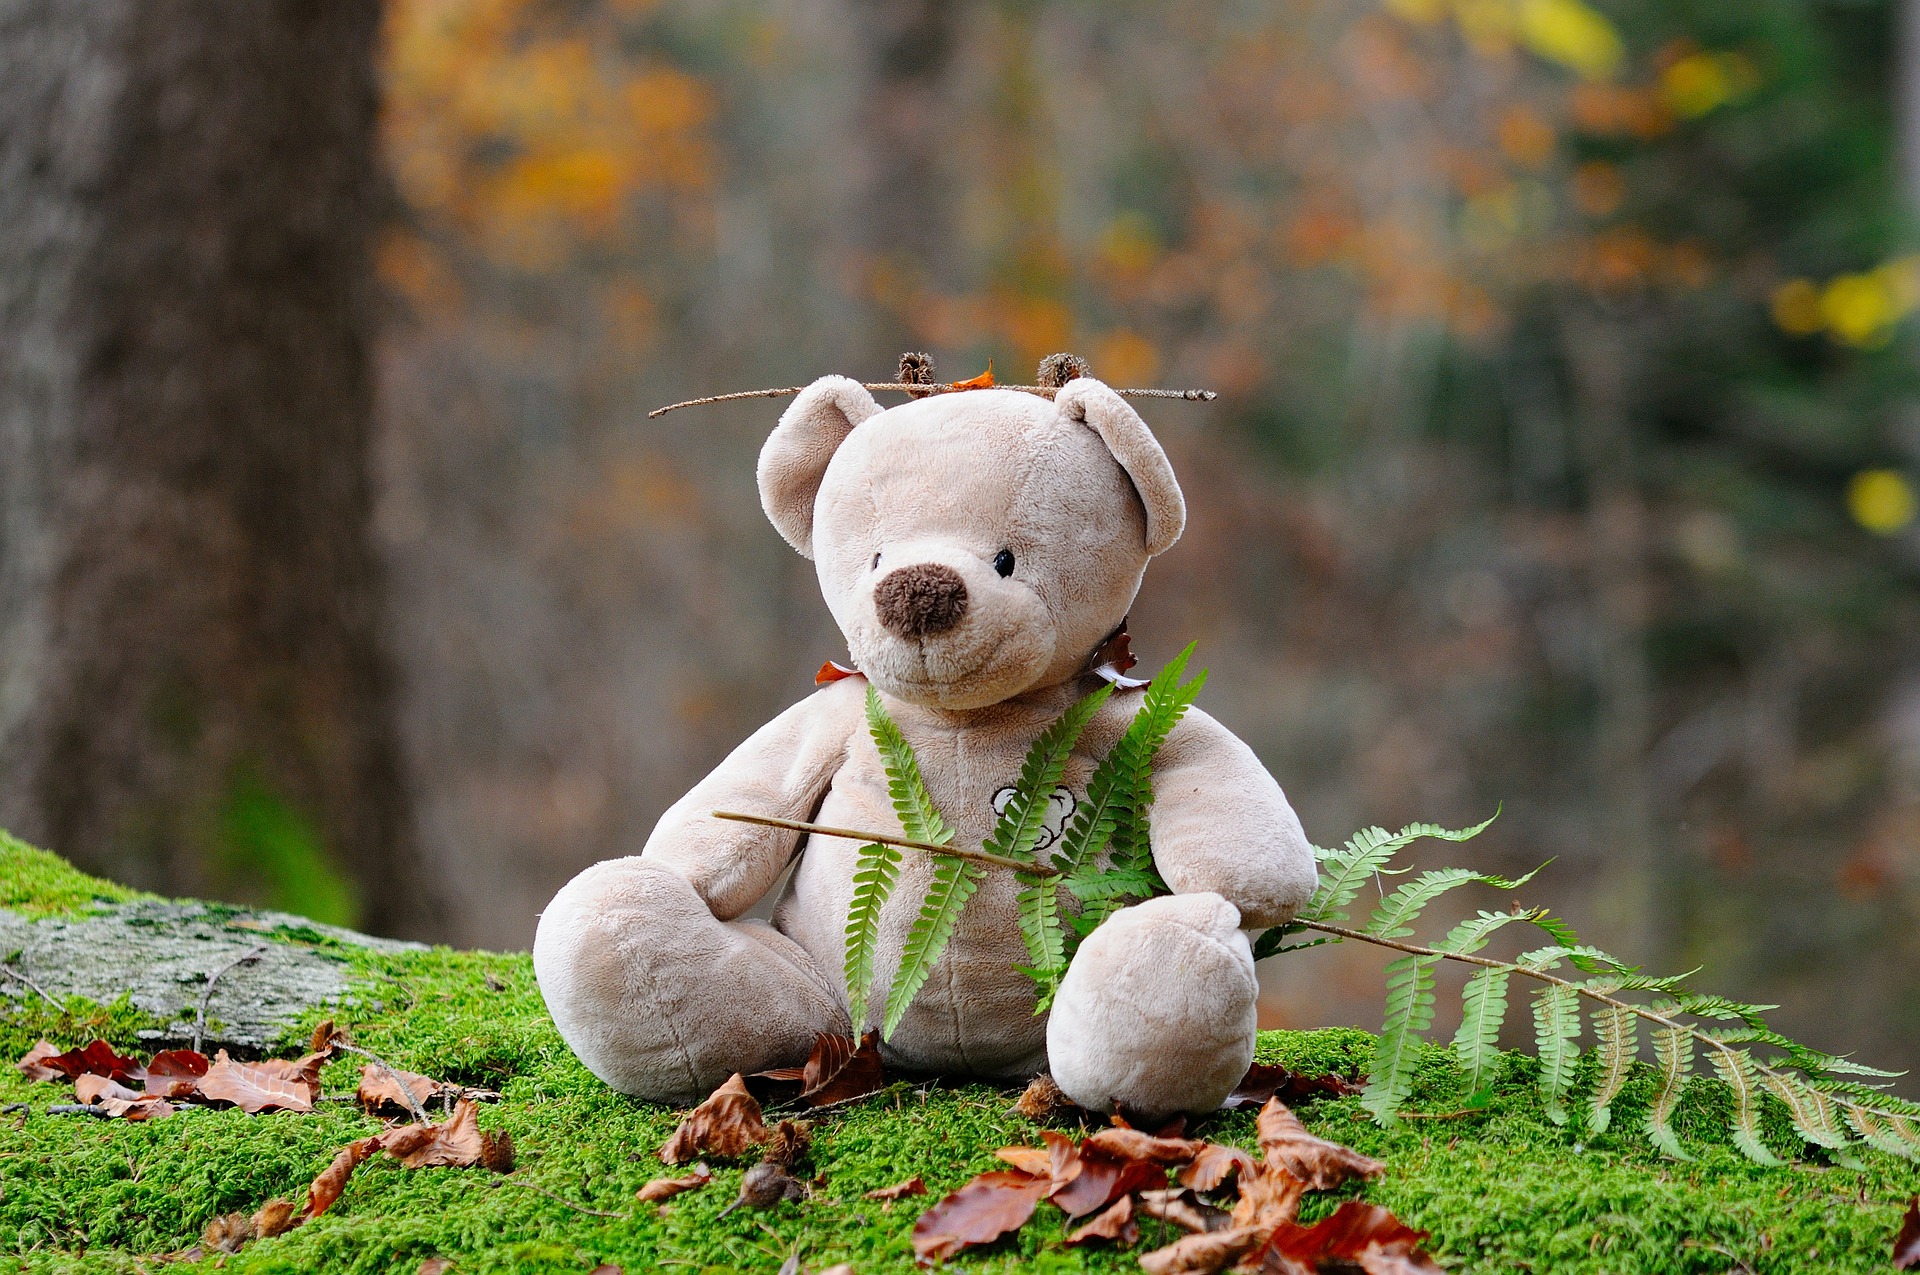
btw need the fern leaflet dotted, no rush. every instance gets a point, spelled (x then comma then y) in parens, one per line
(1673, 1046)
(954, 881)
(1483, 1007)
(1409, 1015)
(1618, 1031)
(873, 876)
(1736, 1068)
(1556, 1026)
(1397, 912)
(911, 800)
(1812, 1112)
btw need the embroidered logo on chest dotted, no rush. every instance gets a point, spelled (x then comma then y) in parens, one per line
(1060, 804)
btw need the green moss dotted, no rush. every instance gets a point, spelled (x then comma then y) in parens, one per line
(35, 883)
(1502, 1189)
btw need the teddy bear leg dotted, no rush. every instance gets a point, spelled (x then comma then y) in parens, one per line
(661, 999)
(1157, 1011)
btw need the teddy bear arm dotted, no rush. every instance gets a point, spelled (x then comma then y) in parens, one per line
(1220, 824)
(783, 769)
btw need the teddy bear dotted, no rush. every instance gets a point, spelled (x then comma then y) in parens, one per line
(976, 549)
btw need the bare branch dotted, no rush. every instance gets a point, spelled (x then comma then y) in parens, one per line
(926, 847)
(928, 391)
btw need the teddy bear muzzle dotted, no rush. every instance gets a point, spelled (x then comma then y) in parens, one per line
(920, 601)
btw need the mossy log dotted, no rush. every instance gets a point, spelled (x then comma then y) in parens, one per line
(1501, 1188)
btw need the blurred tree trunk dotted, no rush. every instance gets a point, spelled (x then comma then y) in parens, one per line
(193, 695)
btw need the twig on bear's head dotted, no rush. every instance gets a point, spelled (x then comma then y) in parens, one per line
(928, 391)
(927, 847)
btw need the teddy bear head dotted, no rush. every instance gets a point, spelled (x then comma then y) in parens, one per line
(972, 545)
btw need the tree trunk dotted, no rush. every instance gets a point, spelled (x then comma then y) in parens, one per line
(193, 695)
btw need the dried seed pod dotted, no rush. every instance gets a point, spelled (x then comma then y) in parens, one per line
(1057, 369)
(916, 368)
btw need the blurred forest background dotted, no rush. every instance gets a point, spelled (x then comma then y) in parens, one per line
(1563, 461)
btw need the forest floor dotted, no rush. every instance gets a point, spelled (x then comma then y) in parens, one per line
(1500, 1188)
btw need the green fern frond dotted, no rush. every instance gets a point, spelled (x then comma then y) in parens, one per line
(911, 800)
(1736, 1068)
(1563, 935)
(1472, 934)
(1039, 906)
(1702, 1006)
(1674, 1048)
(1344, 873)
(1409, 1015)
(1895, 1137)
(1397, 912)
(1025, 817)
(1115, 883)
(1618, 1031)
(874, 873)
(1556, 1026)
(1815, 1116)
(1483, 1006)
(954, 881)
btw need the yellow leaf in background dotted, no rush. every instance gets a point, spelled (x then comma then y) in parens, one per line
(1125, 358)
(1703, 82)
(1859, 309)
(1796, 307)
(1881, 500)
(1572, 34)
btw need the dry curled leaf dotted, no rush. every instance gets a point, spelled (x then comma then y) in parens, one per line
(725, 1125)
(1214, 1165)
(1046, 1103)
(118, 1101)
(1268, 1197)
(1115, 1223)
(1183, 1209)
(176, 1073)
(33, 1063)
(457, 1143)
(984, 381)
(1264, 1081)
(1321, 1165)
(1356, 1234)
(1035, 1160)
(325, 1038)
(1202, 1254)
(254, 1088)
(333, 1179)
(663, 1189)
(1131, 1144)
(1906, 1246)
(980, 1212)
(837, 1069)
(1103, 1178)
(899, 1190)
(380, 1089)
(95, 1058)
(304, 1070)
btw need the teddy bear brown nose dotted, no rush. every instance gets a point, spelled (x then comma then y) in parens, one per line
(921, 600)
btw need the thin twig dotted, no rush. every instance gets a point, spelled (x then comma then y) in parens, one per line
(15, 972)
(406, 1090)
(79, 1109)
(928, 847)
(557, 1199)
(928, 391)
(200, 1018)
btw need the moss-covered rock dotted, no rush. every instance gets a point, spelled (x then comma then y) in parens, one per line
(1501, 1188)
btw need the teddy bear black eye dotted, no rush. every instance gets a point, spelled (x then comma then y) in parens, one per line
(1003, 562)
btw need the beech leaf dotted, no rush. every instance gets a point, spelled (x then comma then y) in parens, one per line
(1214, 1165)
(837, 1069)
(458, 1143)
(725, 1126)
(379, 1089)
(1268, 1197)
(96, 1058)
(1131, 1144)
(1114, 1223)
(661, 1189)
(176, 1073)
(984, 381)
(1035, 1160)
(1906, 1246)
(333, 1179)
(980, 1212)
(1356, 1234)
(1184, 1210)
(33, 1063)
(1264, 1081)
(254, 1088)
(1104, 1178)
(899, 1191)
(1202, 1254)
(1321, 1165)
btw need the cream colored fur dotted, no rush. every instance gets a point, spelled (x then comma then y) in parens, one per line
(662, 991)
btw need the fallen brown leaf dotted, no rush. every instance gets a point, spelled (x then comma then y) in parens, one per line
(837, 1069)
(457, 1143)
(1184, 1210)
(254, 1088)
(899, 1190)
(1202, 1254)
(980, 1212)
(984, 381)
(1268, 1197)
(1264, 1081)
(661, 1189)
(1114, 1223)
(1322, 1165)
(304, 1070)
(175, 1073)
(1214, 1165)
(333, 1179)
(95, 1058)
(119, 1101)
(1104, 1178)
(33, 1063)
(1906, 1245)
(725, 1125)
(1131, 1144)
(380, 1089)
(1034, 1160)
(325, 1037)
(1356, 1234)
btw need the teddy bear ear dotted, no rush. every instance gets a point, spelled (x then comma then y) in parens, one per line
(796, 454)
(1138, 451)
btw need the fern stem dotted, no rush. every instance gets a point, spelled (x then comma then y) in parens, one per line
(1652, 1016)
(854, 834)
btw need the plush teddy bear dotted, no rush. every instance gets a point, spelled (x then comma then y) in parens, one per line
(976, 548)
